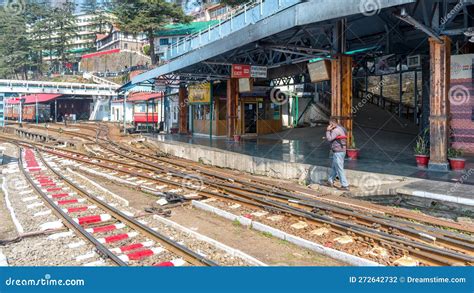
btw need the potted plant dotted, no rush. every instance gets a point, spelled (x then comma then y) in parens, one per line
(422, 153)
(456, 161)
(352, 150)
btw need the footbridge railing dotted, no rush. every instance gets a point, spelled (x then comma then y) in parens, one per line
(247, 15)
(66, 88)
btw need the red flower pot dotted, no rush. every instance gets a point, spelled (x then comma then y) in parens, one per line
(353, 154)
(422, 160)
(457, 164)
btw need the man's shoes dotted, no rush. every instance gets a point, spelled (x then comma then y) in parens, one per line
(345, 188)
(328, 184)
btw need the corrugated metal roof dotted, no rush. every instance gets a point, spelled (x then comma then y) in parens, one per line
(180, 29)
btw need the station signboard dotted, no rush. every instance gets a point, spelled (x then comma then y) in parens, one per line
(258, 71)
(248, 71)
(240, 71)
(199, 93)
(319, 71)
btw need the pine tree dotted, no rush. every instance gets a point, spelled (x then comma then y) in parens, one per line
(37, 15)
(64, 27)
(147, 16)
(15, 46)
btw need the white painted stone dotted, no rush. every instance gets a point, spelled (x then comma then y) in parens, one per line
(25, 192)
(35, 205)
(60, 235)
(51, 225)
(76, 244)
(85, 256)
(30, 198)
(344, 239)
(162, 201)
(97, 263)
(211, 199)
(378, 251)
(17, 223)
(235, 206)
(259, 214)
(275, 218)
(406, 261)
(3, 260)
(320, 231)
(300, 225)
(191, 196)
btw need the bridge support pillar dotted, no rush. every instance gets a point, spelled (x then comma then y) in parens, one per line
(440, 62)
(183, 110)
(341, 88)
(232, 104)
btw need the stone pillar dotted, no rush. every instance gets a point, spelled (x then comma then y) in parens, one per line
(341, 89)
(440, 62)
(183, 110)
(232, 104)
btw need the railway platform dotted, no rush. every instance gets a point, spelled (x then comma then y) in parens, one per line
(386, 164)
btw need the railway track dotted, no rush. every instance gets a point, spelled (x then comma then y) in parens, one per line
(431, 245)
(116, 235)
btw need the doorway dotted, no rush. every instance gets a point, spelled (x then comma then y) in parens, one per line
(250, 117)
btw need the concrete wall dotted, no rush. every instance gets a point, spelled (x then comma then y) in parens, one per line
(303, 173)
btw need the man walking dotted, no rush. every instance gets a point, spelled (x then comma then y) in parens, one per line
(336, 135)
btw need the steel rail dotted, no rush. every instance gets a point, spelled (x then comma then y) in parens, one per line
(70, 222)
(434, 255)
(367, 219)
(286, 207)
(189, 255)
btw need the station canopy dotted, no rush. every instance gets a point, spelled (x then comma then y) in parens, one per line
(32, 99)
(140, 97)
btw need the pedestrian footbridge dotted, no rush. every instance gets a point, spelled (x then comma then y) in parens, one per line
(64, 88)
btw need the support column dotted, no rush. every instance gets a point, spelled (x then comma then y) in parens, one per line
(183, 110)
(232, 98)
(341, 89)
(440, 62)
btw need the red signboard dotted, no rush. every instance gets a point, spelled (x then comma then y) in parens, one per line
(240, 71)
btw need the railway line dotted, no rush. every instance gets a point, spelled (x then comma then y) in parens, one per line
(117, 236)
(429, 240)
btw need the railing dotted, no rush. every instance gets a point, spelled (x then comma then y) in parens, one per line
(26, 86)
(244, 16)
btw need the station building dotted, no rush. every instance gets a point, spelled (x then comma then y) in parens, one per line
(389, 73)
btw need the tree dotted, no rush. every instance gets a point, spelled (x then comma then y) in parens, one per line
(98, 10)
(37, 17)
(64, 27)
(147, 16)
(15, 46)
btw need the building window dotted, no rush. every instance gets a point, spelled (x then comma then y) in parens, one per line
(125, 46)
(164, 42)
